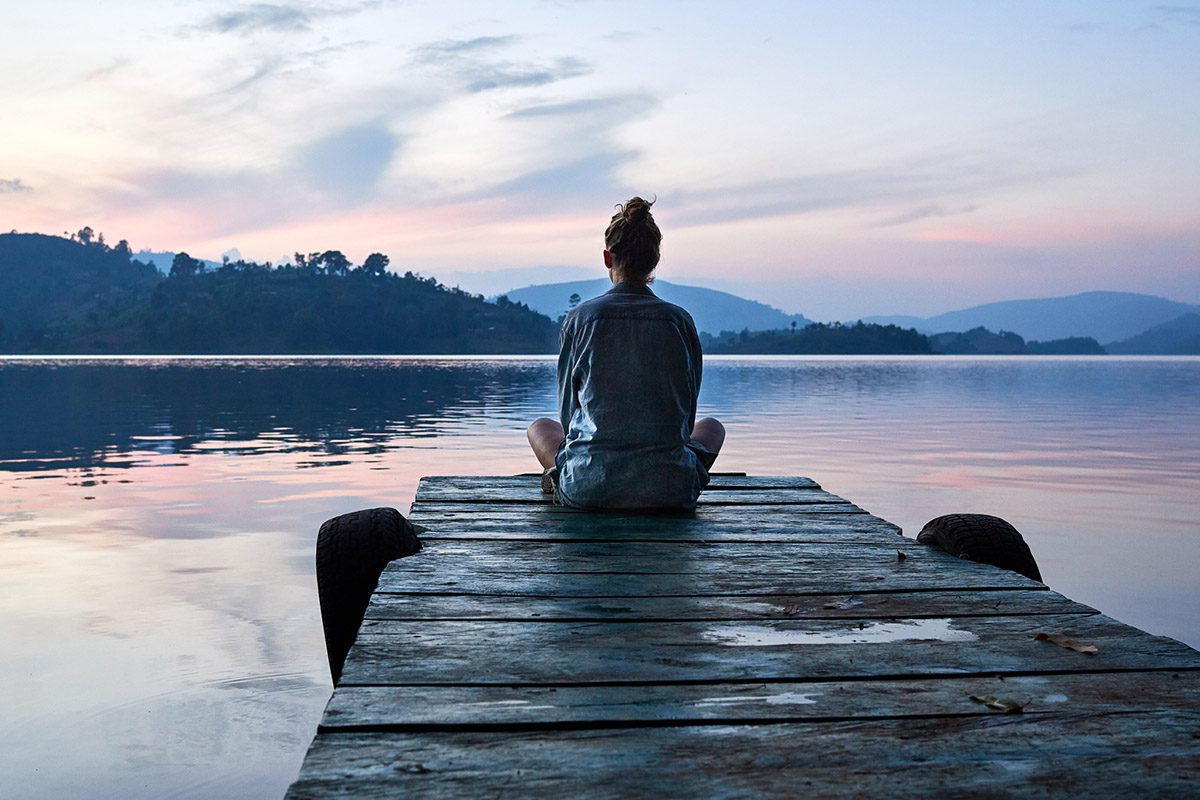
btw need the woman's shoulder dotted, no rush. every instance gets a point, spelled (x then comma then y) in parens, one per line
(628, 304)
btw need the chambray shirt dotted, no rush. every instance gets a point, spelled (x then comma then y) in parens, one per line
(628, 378)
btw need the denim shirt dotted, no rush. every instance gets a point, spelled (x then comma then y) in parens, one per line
(628, 379)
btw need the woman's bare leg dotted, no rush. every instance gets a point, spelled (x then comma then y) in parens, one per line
(545, 435)
(710, 433)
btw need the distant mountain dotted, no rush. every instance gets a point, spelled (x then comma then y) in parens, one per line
(162, 261)
(1179, 337)
(712, 310)
(1104, 316)
(493, 282)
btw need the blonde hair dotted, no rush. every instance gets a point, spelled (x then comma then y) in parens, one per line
(634, 239)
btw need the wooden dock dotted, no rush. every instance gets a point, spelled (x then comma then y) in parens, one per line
(780, 642)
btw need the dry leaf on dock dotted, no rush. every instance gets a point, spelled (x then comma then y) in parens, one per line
(1067, 642)
(1005, 704)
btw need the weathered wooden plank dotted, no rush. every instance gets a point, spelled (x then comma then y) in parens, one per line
(886, 605)
(534, 495)
(1135, 755)
(712, 513)
(475, 522)
(470, 483)
(851, 579)
(867, 533)
(396, 707)
(650, 572)
(782, 557)
(467, 652)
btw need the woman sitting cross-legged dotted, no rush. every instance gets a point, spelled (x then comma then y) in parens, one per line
(628, 380)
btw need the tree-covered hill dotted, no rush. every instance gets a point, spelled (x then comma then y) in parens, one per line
(46, 279)
(982, 342)
(75, 296)
(869, 339)
(821, 339)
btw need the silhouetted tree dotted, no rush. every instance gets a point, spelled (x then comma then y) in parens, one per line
(376, 264)
(85, 234)
(574, 299)
(335, 262)
(183, 265)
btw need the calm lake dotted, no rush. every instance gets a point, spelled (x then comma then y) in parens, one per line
(158, 609)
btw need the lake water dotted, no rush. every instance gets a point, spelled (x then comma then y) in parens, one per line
(159, 628)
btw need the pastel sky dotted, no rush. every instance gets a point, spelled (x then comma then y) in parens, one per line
(836, 159)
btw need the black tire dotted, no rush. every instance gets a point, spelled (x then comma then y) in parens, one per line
(981, 538)
(352, 551)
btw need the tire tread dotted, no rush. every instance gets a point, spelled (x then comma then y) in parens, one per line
(352, 550)
(984, 539)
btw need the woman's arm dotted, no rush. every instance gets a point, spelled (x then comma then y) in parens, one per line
(566, 369)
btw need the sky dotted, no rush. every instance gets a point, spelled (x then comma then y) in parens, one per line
(834, 159)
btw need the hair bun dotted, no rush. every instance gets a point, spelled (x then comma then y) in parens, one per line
(636, 209)
(634, 239)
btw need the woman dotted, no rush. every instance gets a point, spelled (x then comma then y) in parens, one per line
(628, 378)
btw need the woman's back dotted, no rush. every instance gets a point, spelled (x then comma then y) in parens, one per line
(629, 376)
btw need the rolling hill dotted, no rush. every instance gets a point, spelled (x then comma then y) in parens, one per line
(1104, 316)
(1179, 337)
(713, 311)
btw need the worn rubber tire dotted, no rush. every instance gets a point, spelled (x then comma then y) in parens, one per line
(981, 538)
(352, 551)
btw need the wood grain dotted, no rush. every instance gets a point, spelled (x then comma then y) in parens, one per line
(411, 707)
(1115, 755)
(881, 605)
(403, 652)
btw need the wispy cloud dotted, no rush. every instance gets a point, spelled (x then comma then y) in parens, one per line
(455, 47)
(624, 35)
(627, 105)
(13, 186)
(484, 77)
(277, 64)
(113, 67)
(268, 67)
(473, 64)
(260, 16)
(338, 170)
(1184, 15)
(278, 17)
(580, 180)
(581, 159)
(904, 184)
(926, 211)
(319, 54)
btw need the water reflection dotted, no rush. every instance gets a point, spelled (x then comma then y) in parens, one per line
(118, 414)
(157, 602)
